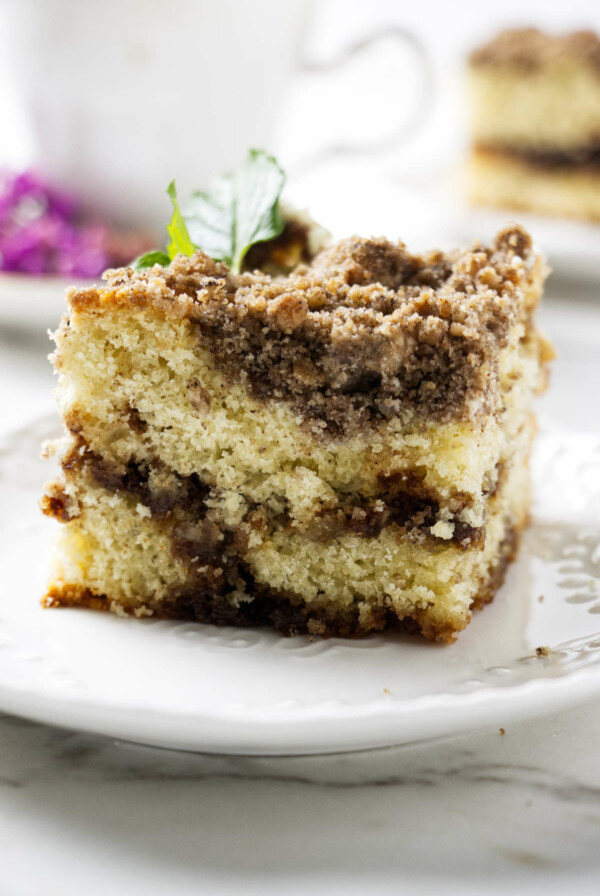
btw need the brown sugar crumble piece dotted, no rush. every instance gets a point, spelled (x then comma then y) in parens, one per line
(333, 451)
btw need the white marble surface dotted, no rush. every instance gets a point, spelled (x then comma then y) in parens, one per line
(493, 813)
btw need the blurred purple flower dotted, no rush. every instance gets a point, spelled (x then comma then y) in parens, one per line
(41, 231)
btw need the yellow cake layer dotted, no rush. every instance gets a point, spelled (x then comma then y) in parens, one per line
(554, 107)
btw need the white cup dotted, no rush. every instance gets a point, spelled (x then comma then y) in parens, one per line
(120, 96)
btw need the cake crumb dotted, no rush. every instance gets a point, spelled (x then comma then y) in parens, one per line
(542, 651)
(385, 691)
(502, 732)
(50, 447)
(541, 599)
(443, 529)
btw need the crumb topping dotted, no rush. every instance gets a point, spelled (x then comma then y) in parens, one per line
(364, 332)
(529, 49)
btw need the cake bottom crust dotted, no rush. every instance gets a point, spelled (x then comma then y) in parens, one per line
(277, 611)
(502, 180)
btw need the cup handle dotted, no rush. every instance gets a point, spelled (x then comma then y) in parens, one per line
(411, 123)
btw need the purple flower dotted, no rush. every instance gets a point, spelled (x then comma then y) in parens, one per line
(41, 231)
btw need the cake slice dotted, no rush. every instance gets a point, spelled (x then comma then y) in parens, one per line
(336, 451)
(535, 123)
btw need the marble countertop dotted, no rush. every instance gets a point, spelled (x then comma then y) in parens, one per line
(493, 813)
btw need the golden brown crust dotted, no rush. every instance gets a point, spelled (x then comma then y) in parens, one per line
(530, 50)
(65, 595)
(57, 503)
(362, 334)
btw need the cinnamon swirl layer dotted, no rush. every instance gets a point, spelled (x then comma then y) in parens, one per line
(123, 550)
(528, 182)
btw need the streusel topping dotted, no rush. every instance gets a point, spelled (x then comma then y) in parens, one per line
(365, 332)
(529, 49)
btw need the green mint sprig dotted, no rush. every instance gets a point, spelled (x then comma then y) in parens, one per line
(237, 211)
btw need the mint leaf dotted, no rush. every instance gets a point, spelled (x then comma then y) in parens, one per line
(210, 218)
(149, 259)
(177, 230)
(180, 239)
(238, 210)
(259, 183)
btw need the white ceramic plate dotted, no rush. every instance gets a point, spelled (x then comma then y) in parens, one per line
(34, 302)
(251, 691)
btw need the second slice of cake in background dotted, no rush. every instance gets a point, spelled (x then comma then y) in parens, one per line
(535, 123)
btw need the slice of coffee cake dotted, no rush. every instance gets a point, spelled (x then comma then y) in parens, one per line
(336, 451)
(535, 123)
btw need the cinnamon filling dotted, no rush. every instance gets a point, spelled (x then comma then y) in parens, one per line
(584, 158)
(198, 603)
(404, 503)
(278, 610)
